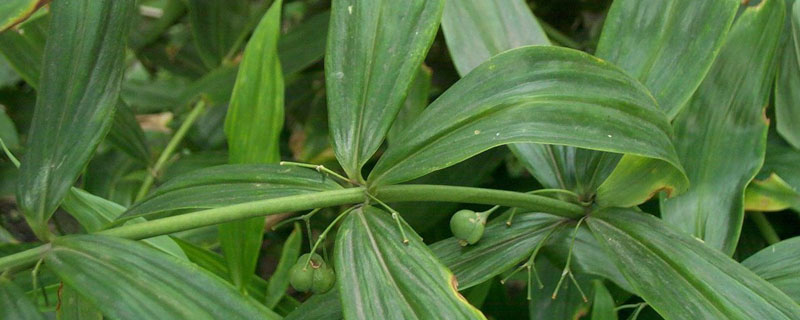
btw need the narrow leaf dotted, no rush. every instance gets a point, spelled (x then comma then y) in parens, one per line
(537, 95)
(770, 194)
(369, 69)
(416, 101)
(305, 44)
(381, 278)
(500, 249)
(119, 276)
(787, 107)
(14, 304)
(13, 12)
(217, 26)
(81, 75)
(476, 30)
(74, 307)
(325, 306)
(603, 303)
(649, 39)
(724, 118)
(779, 264)
(226, 185)
(682, 278)
(279, 281)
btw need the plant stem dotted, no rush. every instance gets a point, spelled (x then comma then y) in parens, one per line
(170, 149)
(763, 225)
(398, 193)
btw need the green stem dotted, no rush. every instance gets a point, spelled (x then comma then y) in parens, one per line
(170, 149)
(398, 193)
(766, 229)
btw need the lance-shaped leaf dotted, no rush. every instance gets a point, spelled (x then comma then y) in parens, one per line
(13, 12)
(416, 101)
(501, 247)
(369, 68)
(24, 50)
(14, 304)
(229, 184)
(787, 97)
(304, 44)
(682, 278)
(325, 306)
(777, 186)
(603, 303)
(119, 277)
(379, 277)
(476, 30)
(218, 27)
(74, 307)
(651, 39)
(779, 264)
(81, 75)
(531, 94)
(279, 281)
(724, 118)
(253, 126)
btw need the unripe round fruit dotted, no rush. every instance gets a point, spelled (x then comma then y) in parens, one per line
(467, 226)
(316, 276)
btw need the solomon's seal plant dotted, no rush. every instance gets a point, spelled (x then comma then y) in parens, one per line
(645, 155)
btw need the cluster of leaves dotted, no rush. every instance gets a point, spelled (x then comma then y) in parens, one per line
(633, 147)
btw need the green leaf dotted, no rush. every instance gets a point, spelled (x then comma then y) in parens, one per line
(726, 117)
(476, 30)
(147, 30)
(416, 101)
(8, 77)
(649, 39)
(326, 306)
(770, 194)
(501, 247)
(226, 185)
(279, 281)
(14, 304)
(218, 27)
(119, 277)
(76, 101)
(537, 95)
(8, 131)
(779, 264)
(603, 303)
(74, 307)
(253, 127)
(305, 44)
(682, 278)
(381, 278)
(369, 69)
(13, 12)
(787, 108)
(127, 135)
(24, 48)
(95, 214)
(255, 115)
(568, 304)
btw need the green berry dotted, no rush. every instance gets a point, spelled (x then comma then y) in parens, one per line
(467, 226)
(316, 276)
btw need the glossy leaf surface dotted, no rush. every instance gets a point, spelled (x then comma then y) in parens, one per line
(779, 264)
(77, 96)
(531, 94)
(726, 117)
(501, 247)
(476, 30)
(369, 68)
(380, 277)
(682, 278)
(787, 97)
(118, 276)
(229, 184)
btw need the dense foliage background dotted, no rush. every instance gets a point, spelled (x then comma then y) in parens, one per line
(183, 77)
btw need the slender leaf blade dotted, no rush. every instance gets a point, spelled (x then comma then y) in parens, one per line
(13, 12)
(74, 307)
(603, 303)
(476, 30)
(380, 277)
(779, 264)
(787, 108)
(14, 304)
(279, 281)
(228, 184)
(682, 278)
(118, 276)
(217, 26)
(726, 117)
(79, 88)
(369, 68)
(537, 95)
